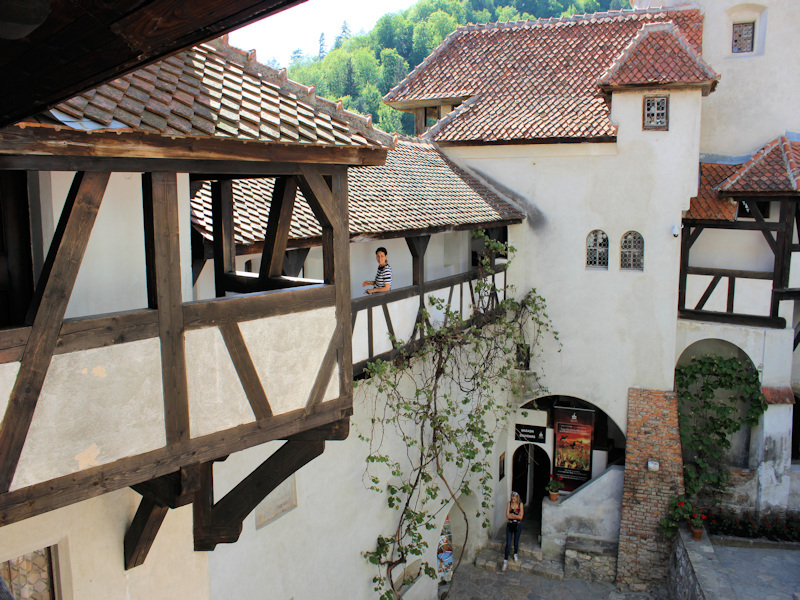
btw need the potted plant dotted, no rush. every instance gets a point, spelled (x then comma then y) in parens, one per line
(696, 523)
(553, 486)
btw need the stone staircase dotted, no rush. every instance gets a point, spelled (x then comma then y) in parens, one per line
(530, 556)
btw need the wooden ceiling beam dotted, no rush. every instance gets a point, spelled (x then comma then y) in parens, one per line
(50, 148)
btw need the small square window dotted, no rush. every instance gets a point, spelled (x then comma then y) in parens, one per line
(743, 35)
(656, 113)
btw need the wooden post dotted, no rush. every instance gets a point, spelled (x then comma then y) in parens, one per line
(170, 304)
(278, 224)
(49, 304)
(222, 224)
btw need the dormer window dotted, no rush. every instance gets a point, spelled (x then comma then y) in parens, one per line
(655, 114)
(743, 36)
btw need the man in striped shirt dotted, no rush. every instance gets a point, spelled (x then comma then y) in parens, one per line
(383, 278)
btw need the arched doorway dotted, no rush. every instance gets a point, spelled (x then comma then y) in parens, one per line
(530, 473)
(739, 453)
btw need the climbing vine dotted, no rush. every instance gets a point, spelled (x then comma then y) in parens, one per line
(717, 396)
(442, 406)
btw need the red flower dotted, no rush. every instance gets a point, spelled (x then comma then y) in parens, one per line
(703, 516)
(680, 503)
(551, 475)
(694, 516)
(560, 478)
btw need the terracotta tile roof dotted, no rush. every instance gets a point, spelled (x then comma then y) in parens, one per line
(659, 54)
(774, 168)
(216, 90)
(708, 204)
(533, 80)
(417, 189)
(778, 395)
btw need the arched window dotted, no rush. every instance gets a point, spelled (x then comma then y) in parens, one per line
(631, 252)
(597, 249)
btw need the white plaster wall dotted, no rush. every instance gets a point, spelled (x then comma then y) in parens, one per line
(617, 327)
(287, 352)
(769, 349)
(96, 406)
(336, 519)
(594, 510)
(756, 99)
(89, 538)
(112, 275)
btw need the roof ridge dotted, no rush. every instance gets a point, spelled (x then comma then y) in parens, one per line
(247, 59)
(788, 157)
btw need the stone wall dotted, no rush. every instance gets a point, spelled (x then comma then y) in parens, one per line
(653, 435)
(590, 559)
(694, 570)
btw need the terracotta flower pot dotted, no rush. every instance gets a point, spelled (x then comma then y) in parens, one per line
(553, 496)
(697, 534)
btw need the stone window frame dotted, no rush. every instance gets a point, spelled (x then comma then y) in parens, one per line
(631, 251)
(597, 249)
(657, 126)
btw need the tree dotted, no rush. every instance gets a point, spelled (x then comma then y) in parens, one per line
(445, 403)
(370, 101)
(420, 45)
(440, 25)
(297, 56)
(343, 36)
(389, 119)
(394, 69)
(322, 50)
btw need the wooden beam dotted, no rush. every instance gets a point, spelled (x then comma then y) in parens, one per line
(341, 260)
(142, 533)
(52, 297)
(325, 371)
(221, 522)
(709, 290)
(417, 246)
(222, 224)
(731, 294)
(247, 283)
(248, 376)
(318, 195)
(215, 312)
(170, 304)
(760, 220)
(740, 225)
(149, 242)
(420, 121)
(172, 490)
(43, 148)
(62, 491)
(734, 319)
(739, 274)
(294, 260)
(278, 226)
(16, 289)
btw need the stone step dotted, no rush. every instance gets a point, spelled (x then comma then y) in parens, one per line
(491, 560)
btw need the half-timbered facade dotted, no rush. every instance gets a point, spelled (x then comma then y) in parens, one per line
(150, 393)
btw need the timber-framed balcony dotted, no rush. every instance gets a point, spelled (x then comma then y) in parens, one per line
(387, 324)
(760, 290)
(150, 398)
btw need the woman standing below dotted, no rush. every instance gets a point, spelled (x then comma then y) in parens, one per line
(514, 513)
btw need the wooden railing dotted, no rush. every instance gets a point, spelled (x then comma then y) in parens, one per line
(374, 336)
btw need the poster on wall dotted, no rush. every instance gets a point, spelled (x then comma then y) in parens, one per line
(573, 428)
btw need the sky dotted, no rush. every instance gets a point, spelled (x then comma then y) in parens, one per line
(300, 26)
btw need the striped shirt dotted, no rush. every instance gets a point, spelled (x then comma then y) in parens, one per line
(383, 276)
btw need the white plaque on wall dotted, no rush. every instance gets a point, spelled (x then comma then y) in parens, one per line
(280, 501)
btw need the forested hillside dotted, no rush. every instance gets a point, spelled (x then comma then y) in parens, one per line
(359, 70)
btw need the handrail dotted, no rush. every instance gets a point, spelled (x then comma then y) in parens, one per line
(374, 300)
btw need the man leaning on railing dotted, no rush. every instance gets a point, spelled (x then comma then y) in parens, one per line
(383, 278)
